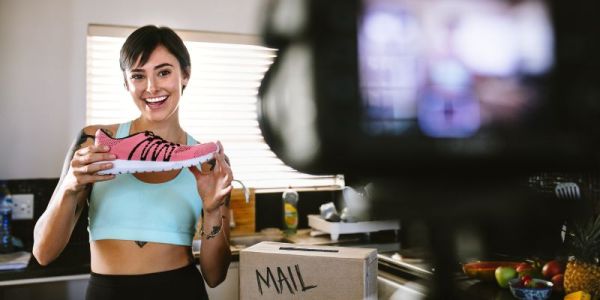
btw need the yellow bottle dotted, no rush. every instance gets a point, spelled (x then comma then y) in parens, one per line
(290, 210)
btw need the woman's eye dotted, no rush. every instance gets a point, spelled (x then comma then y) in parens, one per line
(137, 76)
(164, 73)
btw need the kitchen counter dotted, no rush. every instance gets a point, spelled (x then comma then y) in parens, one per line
(411, 271)
(73, 263)
(410, 274)
(476, 289)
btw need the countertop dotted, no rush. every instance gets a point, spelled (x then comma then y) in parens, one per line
(73, 263)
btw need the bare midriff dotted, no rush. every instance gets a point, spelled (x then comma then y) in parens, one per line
(118, 257)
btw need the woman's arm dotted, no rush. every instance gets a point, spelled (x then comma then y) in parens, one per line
(214, 188)
(215, 253)
(53, 229)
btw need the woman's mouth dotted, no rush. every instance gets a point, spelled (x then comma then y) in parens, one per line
(155, 102)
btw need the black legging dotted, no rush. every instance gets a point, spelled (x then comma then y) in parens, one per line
(182, 283)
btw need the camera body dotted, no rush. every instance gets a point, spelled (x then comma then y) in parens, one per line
(392, 87)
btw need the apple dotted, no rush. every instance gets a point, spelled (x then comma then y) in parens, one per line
(533, 269)
(523, 268)
(557, 280)
(552, 268)
(504, 274)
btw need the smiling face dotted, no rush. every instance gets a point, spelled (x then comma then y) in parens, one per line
(156, 86)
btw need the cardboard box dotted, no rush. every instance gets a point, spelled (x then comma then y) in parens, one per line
(270, 270)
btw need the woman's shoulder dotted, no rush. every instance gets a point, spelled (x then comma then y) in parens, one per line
(91, 129)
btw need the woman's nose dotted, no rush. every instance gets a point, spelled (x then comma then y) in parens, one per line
(150, 85)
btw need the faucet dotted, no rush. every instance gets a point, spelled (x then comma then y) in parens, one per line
(246, 197)
(246, 191)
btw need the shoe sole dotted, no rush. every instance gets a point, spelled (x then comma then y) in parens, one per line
(122, 166)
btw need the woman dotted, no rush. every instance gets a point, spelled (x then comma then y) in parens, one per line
(134, 256)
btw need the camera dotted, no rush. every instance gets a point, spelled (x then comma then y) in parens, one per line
(392, 87)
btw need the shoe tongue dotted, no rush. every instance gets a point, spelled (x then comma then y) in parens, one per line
(156, 137)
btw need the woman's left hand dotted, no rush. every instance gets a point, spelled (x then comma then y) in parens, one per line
(214, 186)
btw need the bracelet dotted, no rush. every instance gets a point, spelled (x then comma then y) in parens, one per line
(215, 230)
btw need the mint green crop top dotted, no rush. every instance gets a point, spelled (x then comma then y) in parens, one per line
(126, 208)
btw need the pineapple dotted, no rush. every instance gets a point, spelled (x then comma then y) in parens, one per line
(583, 269)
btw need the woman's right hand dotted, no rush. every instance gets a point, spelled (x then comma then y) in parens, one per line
(84, 167)
(53, 229)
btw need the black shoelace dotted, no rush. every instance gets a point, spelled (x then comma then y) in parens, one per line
(154, 145)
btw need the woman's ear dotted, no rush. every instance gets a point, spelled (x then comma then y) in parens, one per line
(186, 76)
(125, 85)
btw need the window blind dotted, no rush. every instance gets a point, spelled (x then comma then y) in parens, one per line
(219, 102)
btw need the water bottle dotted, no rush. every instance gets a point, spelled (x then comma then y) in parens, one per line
(290, 210)
(6, 206)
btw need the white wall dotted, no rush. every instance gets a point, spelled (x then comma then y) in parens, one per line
(42, 66)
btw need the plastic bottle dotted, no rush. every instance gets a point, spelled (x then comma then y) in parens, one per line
(290, 210)
(6, 206)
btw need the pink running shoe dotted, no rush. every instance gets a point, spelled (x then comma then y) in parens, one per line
(146, 152)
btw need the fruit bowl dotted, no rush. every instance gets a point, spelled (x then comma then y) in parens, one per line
(542, 289)
(484, 270)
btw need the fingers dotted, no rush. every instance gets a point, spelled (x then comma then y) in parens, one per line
(83, 178)
(219, 157)
(197, 173)
(221, 150)
(88, 161)
(214, 179)
(221, 163)
(91, 149)
(222, 160)
(92, 168)
(91, 154)
(208, 166)
(226, 191)
(96, 178)
(223, 171)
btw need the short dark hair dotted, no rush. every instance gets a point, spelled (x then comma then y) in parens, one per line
(144, 40)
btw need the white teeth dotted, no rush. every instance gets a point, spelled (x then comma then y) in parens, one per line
(157, 99)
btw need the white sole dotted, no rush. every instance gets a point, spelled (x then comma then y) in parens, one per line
(122, 166)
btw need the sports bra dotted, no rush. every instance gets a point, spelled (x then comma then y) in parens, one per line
(126, 208)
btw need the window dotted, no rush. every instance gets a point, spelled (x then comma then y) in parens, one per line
(218, 103)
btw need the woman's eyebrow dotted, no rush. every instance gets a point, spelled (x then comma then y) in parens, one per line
(163, 65)
(157, 67)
